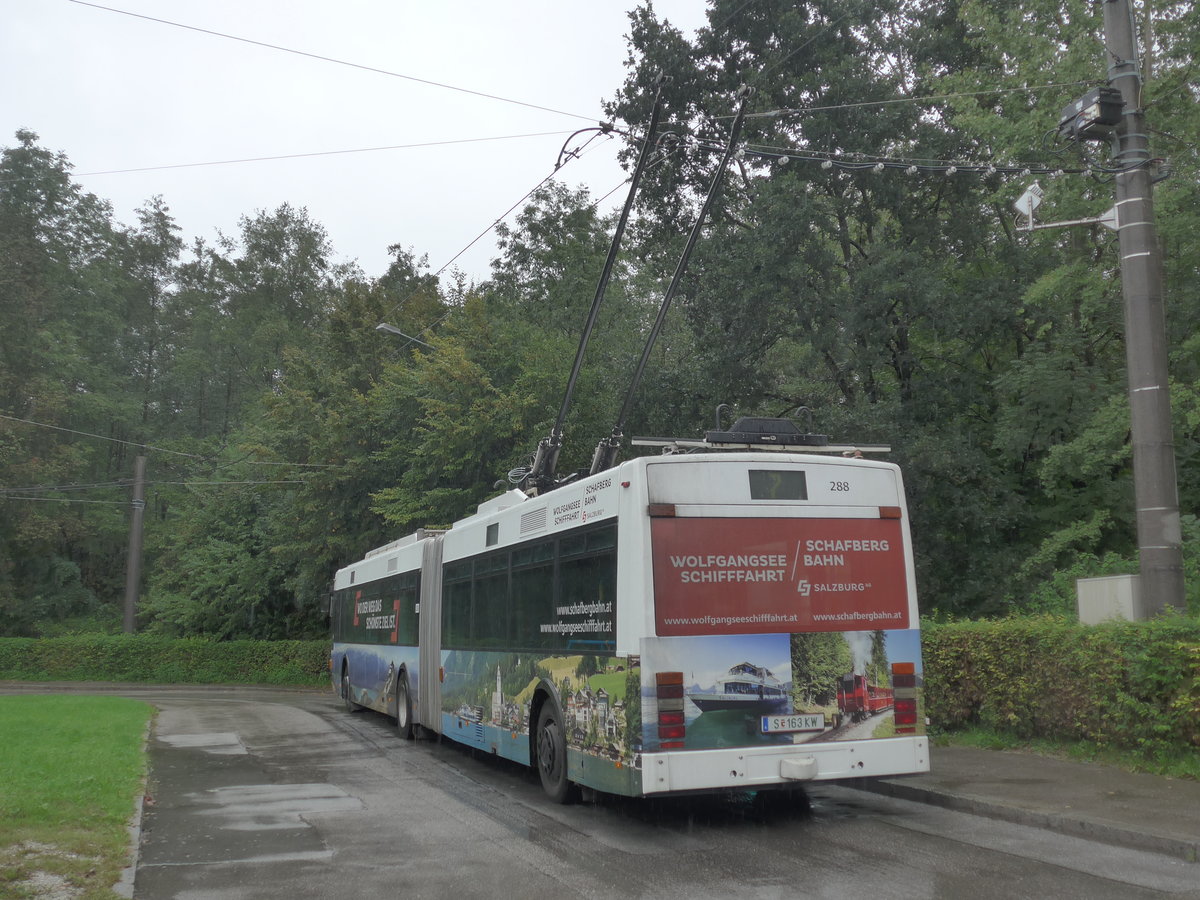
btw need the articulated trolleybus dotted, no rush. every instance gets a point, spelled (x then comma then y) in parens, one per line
(678, 623)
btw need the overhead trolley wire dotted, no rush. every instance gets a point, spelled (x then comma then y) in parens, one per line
(282, 156)
(563, 159)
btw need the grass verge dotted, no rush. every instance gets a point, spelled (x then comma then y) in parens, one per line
(1181, 764)
(72, 768)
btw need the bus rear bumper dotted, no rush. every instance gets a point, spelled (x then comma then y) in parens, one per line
(753, 768)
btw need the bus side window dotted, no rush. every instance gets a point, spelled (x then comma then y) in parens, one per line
(533, 605)
(591, 580)
(456, 605)
(490, 606)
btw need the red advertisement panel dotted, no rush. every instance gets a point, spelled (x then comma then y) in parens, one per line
(758, 576)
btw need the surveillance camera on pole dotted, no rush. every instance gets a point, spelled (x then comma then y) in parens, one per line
(1094, 116)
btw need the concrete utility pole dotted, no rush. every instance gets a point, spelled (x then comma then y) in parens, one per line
(133, 564)
(1156, 493)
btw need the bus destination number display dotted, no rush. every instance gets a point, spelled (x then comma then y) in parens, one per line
(793, 723)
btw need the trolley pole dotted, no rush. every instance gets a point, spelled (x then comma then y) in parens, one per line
(133, 564)
(1156, 493)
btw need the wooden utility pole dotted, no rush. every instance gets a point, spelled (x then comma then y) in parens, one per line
(1156, 493)
(133, 563)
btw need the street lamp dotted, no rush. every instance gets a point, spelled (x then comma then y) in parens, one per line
(392, 329)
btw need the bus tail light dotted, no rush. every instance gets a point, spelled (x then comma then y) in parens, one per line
(904, 685)
(669, 693)
(906, 712)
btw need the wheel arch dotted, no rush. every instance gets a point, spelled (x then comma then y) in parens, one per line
(545, 692)
(401, 673)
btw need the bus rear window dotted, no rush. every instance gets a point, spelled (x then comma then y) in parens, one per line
(777, 484)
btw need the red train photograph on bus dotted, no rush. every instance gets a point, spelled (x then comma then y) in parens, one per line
(858, 699)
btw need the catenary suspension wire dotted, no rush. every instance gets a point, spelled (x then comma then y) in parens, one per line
(330, 59)
(68, 500)
(22, 493)
(142, 446)
(801, 110)
(101, 437)
(66, 487)
(826, 27)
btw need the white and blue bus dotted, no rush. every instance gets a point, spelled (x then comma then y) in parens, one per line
(678, 623)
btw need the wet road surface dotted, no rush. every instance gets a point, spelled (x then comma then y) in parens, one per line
(262, 794)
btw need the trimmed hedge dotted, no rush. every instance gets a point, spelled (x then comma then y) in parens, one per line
(1123, 684)
(156, 659)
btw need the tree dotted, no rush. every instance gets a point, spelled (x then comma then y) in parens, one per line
(60, 368)
(633, 709)
(878, 669)
(818, 660)
(902, 308)
(490, 382)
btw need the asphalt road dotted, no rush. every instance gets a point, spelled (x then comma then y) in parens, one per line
(256, 793)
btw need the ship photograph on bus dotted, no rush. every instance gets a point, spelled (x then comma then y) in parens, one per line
(682, 621)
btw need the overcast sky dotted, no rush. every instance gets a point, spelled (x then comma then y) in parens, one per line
(117, 92)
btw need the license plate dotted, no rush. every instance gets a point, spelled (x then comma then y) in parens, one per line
(784, 724)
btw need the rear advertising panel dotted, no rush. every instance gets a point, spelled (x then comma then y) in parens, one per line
(782, 690)
(754, 576)
(781, 632)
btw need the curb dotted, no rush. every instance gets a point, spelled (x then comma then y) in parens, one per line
(1186, 849)
(125, 884)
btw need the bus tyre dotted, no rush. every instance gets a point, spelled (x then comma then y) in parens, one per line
(552, 756)
(404, 723)
(347, 699)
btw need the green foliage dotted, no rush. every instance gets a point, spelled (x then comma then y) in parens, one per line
(819, 659)
(908, 310)
(155, 659)
(633, 708)
(289, 436)
(1131, 685)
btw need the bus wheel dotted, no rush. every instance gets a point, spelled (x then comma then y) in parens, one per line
(347, 699)
(552, 756)
(404, 723)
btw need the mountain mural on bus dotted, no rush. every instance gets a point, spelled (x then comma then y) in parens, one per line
(777, 689)
(486, 702)
(375, 671)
